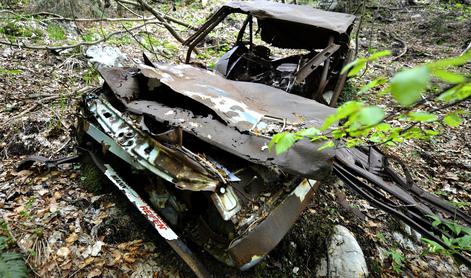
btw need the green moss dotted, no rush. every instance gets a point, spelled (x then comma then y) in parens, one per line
(91, 177)
(55, 32)
(15, 29)
(121, 40)
(349, 93)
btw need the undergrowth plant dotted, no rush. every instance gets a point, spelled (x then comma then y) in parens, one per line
(397, 260)
(11, 263)
(459, 238)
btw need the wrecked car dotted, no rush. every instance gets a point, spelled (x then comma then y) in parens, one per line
(196, 142)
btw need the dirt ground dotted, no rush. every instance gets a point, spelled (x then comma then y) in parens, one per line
(69, 222)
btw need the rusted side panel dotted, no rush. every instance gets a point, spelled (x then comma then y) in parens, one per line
(251, 248)
(284, 25)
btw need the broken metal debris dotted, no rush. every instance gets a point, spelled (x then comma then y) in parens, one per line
(368, 172)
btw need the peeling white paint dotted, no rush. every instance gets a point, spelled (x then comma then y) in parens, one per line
(303, 188)
(194, 125)
(225, 104)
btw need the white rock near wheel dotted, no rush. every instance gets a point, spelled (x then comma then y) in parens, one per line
(345, 257)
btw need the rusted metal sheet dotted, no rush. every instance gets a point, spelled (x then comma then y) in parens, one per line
(285, 25)
(224, 129)
(239, 104)
(248, 250)
(303, 14)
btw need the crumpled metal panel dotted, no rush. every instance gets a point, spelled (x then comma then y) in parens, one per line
(251, 248)
(232, 136)
(143, 150)
(240, 104)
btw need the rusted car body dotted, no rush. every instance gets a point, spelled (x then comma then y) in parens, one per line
(320, 40)
(196, 142)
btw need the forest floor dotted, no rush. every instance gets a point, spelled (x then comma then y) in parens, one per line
(68, 223)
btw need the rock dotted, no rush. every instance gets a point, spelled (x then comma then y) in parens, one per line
(345, 257)
(404, 242)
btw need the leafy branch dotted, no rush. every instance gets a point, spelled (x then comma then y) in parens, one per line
(459, 238)
(355, 123)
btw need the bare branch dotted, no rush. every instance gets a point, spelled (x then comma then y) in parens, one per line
(83, 43)
(166, 17)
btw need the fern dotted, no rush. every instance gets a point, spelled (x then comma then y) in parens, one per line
(11, 264)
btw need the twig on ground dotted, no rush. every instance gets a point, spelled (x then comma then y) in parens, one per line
(404, 51)
(126, 8)
(466, 49)
(61, 18)
(162, 19)
(29, 109)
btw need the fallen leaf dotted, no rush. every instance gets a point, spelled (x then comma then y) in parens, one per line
(63, 252)
(94, 273)
(86, 262)
(71, 239)
(96, 248)
(129, 258)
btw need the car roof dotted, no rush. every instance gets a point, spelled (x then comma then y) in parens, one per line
(332, 21)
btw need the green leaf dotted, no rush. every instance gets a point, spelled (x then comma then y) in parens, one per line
(408, 85)
(448, 76)
(356, 68)
(433, 246)
(338, 133)
(12, 265)
(318, 137)
(378, 81)
(328, 144)
(465, 241)
(371, 115)
(342, 112)
(459, 92)
(452, 120)
(282, 141)
(383, 127)
(420, 116)
(350, 143)
(430, 132)
(352, 64)
(446, 240)
(309, 132)
(454, 61)
(379, 54)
